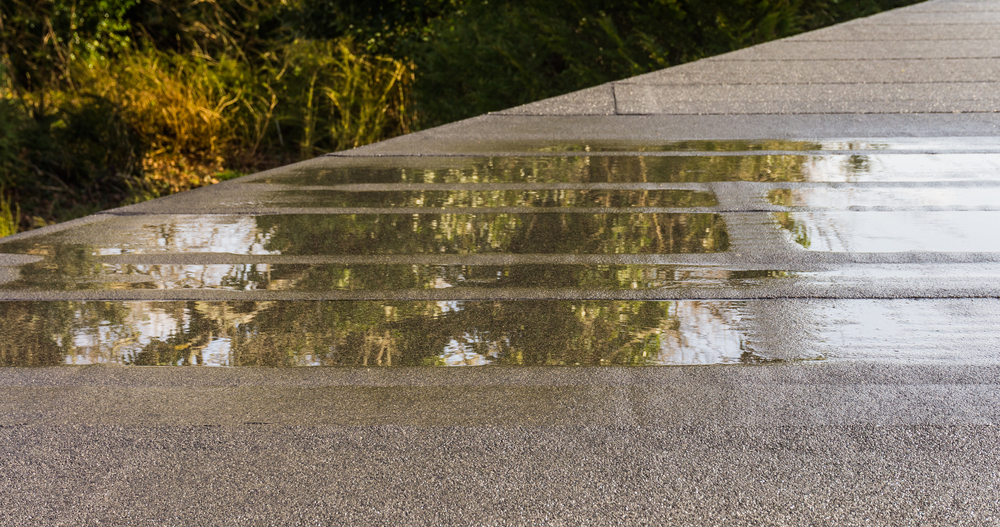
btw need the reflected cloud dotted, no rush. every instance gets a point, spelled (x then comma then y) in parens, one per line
(956, 198)
(896, 231)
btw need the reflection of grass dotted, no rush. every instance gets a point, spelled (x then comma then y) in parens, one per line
(8, 217)
(584, 169)
(798, 230)
(570, 233)
(749, 357)
(781, 197)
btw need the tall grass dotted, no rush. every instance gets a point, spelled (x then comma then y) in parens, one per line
(371, 98)
(338, 98)
(202, 117)
(151, 122)
(190, 112)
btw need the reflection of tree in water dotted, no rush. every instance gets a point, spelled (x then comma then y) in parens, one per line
(45, 333)
(692, 145)
(543, 198)
(495, 233)
(583, 169)
(366, 333)
(857, 164)
(419, 333)
(500, 332)
(798, 230)
(21, 342)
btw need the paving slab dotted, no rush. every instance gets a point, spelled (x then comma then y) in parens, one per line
(729, 99)
(805, 71)
(782, 311)
(959, 6)
(503, 134)
(599, 100)
(943, 16)
(851, 50)
(878, 33)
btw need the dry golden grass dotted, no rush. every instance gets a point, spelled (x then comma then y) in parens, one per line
(179, 105)
(201, 117)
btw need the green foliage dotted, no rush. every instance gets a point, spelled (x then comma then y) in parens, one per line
(40, 39)
(382, 26)
(246, 29)
(153, 122)
(12, 120)
(64, 155)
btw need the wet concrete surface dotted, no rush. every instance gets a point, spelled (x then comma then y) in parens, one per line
(777, 319)
(778, 445)
(638, 253)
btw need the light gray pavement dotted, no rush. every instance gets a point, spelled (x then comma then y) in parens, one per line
(849, 187)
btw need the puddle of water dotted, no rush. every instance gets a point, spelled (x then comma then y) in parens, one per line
(494, 198)
(904, 272)
(852, 198)
(384, 234)
(390, 252)
(911, 330)
(541, 170)
(872, 144)
(478, 333)
(339, 333)
(77, 271)
(643, 169)
(921, 168)
(896, 231)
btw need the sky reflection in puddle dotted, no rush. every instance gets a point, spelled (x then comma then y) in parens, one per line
(896, 231)
(955, 198)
